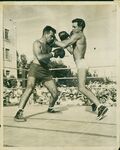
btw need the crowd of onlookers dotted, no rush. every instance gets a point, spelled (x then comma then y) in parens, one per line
(106, 93)
(104, 89)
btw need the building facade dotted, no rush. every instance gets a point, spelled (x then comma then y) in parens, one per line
(9, 48)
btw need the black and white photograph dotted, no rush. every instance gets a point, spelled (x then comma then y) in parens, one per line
(59, 75)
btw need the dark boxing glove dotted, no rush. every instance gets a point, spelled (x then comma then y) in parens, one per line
(63, 35)
(58, 52)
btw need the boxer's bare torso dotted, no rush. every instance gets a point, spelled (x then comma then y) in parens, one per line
(78, 42)
(40, 47)
(79, 47)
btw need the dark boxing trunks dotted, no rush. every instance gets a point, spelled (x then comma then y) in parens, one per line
(41, 73)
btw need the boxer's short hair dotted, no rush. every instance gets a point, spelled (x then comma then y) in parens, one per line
(80, 22)
(48, 29)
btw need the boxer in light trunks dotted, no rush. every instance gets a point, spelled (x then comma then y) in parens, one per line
(39, 70)
(76, 44)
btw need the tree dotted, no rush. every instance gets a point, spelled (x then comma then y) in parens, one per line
(24, 70)
(22, 67)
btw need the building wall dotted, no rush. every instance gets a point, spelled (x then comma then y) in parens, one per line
(9, 57)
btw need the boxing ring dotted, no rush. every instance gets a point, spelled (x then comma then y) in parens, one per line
(73, 126)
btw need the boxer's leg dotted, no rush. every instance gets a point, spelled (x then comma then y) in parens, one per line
(82, 70)
(24, 99)
(82, 87)
(52, 88)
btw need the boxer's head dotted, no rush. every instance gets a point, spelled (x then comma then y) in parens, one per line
(49, 34)
(78, 25)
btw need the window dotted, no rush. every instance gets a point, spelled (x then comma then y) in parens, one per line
(6, 34)
(7, 72)
(7, 53)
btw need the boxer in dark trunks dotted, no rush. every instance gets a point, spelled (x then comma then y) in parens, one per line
(39, 70)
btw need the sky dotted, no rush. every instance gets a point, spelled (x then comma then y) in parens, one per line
(100, 28)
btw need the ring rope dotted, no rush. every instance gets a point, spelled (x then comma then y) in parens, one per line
(67, 68)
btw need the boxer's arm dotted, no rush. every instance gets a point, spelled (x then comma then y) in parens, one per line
(70, 49)
(69, 41)
(37, 49)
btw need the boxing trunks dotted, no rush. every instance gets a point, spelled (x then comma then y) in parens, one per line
(40, 72)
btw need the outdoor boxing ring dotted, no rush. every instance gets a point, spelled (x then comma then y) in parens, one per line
(73, 126)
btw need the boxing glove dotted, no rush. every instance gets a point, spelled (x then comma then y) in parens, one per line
(63, 35)
(58, 52)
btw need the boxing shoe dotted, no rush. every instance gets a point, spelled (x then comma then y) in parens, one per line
(51, 110)
(19, 116)
(102, 110)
